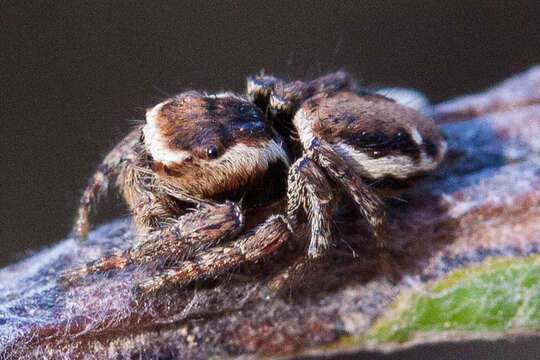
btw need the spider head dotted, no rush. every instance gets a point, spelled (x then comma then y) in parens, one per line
(210, 144)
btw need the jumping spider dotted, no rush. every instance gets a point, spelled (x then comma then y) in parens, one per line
(307, 143)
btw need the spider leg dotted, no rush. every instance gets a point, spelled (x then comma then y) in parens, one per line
(309, 190)
(173, 241)
(98, 183)
(261, 241)
(370, 205)
(259, 89)
(282, 98)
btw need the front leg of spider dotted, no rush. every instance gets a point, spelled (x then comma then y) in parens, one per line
(255, 244)
(309, 192)
(173, 241)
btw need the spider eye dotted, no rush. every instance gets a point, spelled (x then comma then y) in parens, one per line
(212, 152)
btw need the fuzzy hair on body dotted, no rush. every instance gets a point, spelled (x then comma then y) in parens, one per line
(192, 174)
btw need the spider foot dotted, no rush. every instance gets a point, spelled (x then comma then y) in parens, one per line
(291, 275)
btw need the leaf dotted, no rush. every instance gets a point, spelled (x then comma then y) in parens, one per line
(498, 296)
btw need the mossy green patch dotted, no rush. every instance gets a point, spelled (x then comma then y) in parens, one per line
(498, 295)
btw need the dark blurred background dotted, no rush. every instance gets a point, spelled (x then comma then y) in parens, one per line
(76, 74)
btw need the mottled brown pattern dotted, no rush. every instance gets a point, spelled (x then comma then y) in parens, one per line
(375, 125)
(194, 121)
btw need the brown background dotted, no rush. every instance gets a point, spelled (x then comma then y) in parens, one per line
(75, 76)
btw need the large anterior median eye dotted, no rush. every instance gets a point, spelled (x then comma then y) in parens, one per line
(212, 152)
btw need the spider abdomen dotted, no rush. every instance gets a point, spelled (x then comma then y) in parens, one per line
(379, 138)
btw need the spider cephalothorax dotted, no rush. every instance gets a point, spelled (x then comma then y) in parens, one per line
(212, 147)
(215, 150)
(194, 148)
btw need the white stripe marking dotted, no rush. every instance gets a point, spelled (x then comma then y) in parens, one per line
(399, 166)
(416, 136)
(156, 144)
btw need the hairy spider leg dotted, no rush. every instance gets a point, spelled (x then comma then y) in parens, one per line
(310, 192)
(259, 89)
(99, 182)
(370, 205)
(255, 244)
(283, 98)
(174, 241)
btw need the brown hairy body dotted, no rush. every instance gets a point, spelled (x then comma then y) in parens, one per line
(305, 144)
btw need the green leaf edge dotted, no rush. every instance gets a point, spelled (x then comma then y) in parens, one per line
(500, 295)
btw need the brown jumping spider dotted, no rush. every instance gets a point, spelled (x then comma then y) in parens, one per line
(312, 141)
